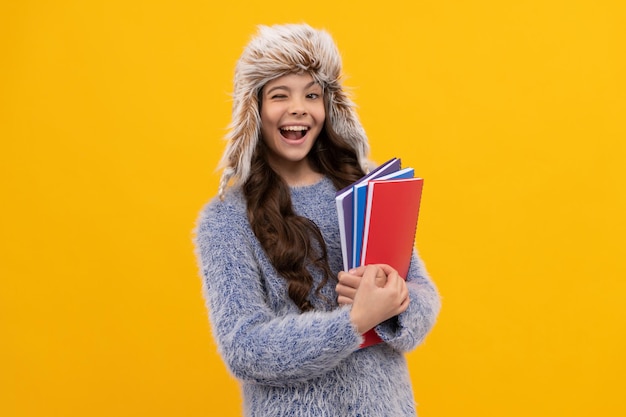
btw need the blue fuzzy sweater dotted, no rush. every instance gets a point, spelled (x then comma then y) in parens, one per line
(303, 364)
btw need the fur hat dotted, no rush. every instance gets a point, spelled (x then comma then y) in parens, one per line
(276, 51)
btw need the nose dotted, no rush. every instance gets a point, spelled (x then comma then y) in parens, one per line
(297, 107)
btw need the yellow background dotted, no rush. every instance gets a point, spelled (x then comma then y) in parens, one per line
(111, 119)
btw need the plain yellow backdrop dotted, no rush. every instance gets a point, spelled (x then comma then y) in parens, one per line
(111, 119)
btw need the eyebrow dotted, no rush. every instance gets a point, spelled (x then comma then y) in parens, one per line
(284, 87)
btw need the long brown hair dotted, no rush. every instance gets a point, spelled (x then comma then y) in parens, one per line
(293, 242)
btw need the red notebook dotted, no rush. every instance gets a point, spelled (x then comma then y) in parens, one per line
(390, 225)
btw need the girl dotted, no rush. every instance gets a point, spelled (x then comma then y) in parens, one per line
(287, 321)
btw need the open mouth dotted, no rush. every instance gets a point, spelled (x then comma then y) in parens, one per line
(293, 132)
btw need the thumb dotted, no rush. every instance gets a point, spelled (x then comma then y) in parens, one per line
(369, 275)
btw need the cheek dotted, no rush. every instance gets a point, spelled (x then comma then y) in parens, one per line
(266, 124)
(320, 114)
(264, 116)
(270, 115)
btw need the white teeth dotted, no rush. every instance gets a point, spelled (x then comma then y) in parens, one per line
(294, 128)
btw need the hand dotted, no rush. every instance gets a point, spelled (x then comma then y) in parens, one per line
(349, 283)
(372, 304)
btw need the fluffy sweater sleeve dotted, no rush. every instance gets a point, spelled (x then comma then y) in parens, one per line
(261, 334)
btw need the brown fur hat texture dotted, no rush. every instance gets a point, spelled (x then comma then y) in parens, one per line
(276, 51)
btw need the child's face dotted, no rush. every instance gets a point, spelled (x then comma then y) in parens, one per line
(292, 116)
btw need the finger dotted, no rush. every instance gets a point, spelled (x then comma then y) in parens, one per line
(349, 280)
(345, 291)
(393, 279)
(405, 288)
(341, 300)
(371, 271)
(387, 269)
(405, 303)
(404, 295)
(368, 280)
(403, 292)
(403, 307)
(358, 270)
(381, 278)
